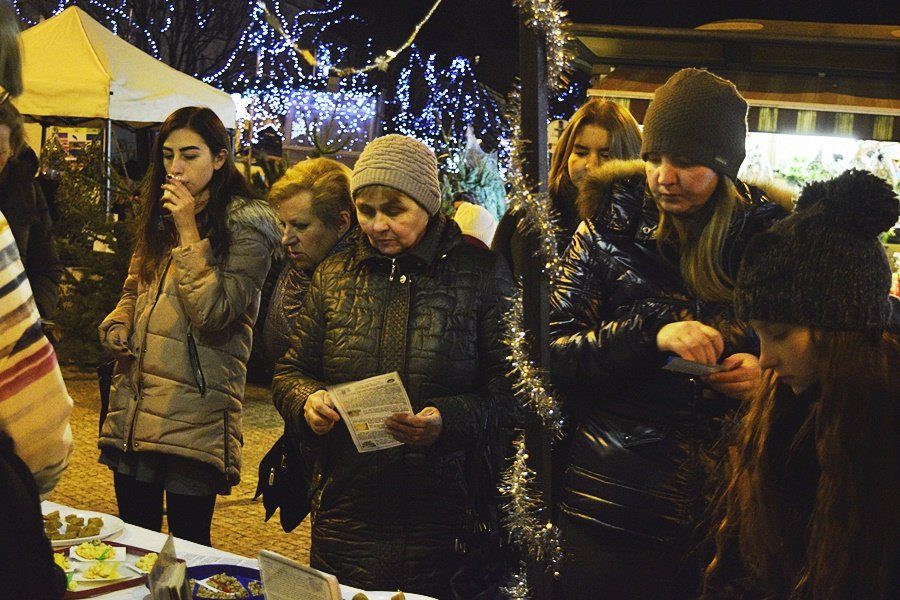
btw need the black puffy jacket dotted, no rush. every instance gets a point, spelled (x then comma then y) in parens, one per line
(635, 461)
(388, 519)
(26, 559)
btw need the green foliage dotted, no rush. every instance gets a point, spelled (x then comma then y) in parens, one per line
(465, 167)
(92, 281)
(802, 171)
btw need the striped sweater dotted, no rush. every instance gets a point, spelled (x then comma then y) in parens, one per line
(34, 403)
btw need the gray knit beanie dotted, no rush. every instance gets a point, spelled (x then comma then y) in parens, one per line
(700, 116)
(824, 265)
(402, 163)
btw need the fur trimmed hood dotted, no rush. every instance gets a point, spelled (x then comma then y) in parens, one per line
(258, 215)
(594, 191)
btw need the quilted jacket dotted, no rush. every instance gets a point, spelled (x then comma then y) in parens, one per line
(170, 398)
(389, 519)
(635, 461)
(287, 300)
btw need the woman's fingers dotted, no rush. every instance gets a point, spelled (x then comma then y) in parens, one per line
(319, 412)
(741, 380)
(691, 340)
(421, 429)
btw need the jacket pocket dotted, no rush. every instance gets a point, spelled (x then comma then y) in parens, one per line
(196, 368)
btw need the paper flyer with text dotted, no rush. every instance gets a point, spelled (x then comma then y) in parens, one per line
(365, 404)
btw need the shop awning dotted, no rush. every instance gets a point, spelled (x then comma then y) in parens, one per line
(864, 108)
(807, 78)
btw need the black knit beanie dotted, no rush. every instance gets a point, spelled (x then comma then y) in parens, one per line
(824, 265)
(700, 116)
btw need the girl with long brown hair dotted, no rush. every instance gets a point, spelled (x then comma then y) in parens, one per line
(182, 330)
(809, 507)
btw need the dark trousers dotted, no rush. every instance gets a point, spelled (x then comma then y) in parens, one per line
(603, 564)
(141, 504)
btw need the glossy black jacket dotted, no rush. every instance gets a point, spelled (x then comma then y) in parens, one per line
(635, 462)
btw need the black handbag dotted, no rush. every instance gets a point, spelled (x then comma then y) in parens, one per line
(284, 482)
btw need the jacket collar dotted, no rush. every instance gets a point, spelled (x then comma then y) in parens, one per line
(634, 208)
(441, 234)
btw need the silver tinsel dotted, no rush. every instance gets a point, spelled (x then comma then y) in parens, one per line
(523, 513)
(536, 209)
(548, 19)
(517, 585)
(529, 384)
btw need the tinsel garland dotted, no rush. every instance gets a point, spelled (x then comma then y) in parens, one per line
(381, 62)
(522, 514)
(517, 586)
(524, 509)
(536, 208)
(529, 384)
(548, 19)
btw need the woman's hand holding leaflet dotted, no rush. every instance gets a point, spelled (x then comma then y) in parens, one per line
(320, 413)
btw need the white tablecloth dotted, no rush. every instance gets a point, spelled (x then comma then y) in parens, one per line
(191, 553)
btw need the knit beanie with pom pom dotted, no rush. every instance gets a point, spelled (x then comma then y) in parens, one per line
(824, 266)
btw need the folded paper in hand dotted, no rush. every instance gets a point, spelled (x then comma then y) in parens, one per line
(364, 405)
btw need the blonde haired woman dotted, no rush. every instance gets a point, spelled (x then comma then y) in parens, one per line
(317, 219)
(649, 276)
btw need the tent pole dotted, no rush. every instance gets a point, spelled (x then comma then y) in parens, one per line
(108, 166)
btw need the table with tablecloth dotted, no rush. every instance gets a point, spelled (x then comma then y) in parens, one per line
(191, 553)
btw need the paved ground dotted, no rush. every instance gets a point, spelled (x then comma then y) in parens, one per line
(238, 524)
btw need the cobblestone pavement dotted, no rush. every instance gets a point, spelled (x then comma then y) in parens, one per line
(238, 524)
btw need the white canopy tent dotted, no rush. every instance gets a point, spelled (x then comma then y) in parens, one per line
(76, 68)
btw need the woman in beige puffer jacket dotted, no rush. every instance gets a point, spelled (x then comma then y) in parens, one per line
(182, 331)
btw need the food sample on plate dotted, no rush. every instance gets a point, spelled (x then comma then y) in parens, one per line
(230, 587)
(75, 526)
(62, 561)
(362, 596)
(102, 571)
(146, 562)
(94, 550)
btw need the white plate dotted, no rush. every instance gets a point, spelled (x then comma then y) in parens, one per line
(121, 572)
(111, 526)
(118, 554)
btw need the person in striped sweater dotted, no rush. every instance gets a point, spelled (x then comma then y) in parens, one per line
(34, 402)
(35, 436)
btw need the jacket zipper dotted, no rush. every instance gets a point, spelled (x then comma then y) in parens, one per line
(129, 438)
(227, 419)
(196, 366)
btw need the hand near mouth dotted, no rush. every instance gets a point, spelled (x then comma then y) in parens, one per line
(181, 204)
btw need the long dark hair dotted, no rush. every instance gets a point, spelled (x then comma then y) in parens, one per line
(10, 53)
(850, 545)
(157, 234)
